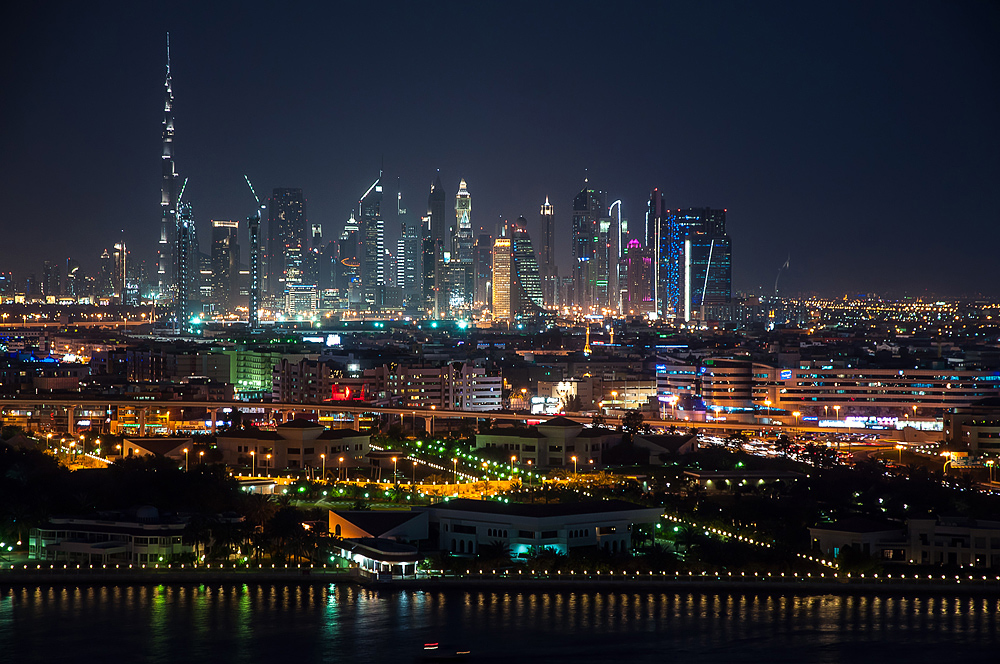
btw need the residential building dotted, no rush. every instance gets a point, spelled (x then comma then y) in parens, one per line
(296, 444)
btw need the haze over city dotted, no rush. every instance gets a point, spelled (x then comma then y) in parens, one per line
(849, 137)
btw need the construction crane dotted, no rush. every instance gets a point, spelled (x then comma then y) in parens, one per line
(253, 226)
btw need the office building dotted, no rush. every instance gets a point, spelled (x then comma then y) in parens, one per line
(225, 263)
(588, 208)
(460, 258)
(639, 273)
(287, 240)
(483, 270)
(526, 284)
(502, 279)
(372, 227)
(547, 260)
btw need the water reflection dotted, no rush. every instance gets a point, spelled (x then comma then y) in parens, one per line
(262, 623)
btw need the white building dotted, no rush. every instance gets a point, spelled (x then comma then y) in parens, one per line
(464, 526)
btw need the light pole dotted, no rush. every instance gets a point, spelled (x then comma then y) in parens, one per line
(394, 470)
(253, 463)
(767, 410)
(512, 460)
(340, 469)
(900, 448)
(268, 466)
(185, 459)
(989, 464)
(947, 459)
(322, 458)
(826, 412)
(796, 415)
(574, 466)
(837, 409)
(454, 470)
(413, 477)
(529, 473)
(201, 458)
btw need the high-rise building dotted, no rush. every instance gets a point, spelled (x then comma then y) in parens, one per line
(74, 285)
(166, 259)
(639, 273)
(434, 250)
(526, 284)
(372, 246)
(287, 239)
(657, 240)
(188, 267)
(347, 276)
(698, 265)
(460, 258)
(51, 279)
(225, 263)
(547, 265)
(483, 269)
(588, 208)
(502, 279)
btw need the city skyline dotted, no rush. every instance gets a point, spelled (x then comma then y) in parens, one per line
(838, 187)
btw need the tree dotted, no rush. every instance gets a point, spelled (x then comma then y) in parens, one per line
(598, 420)
(632, 421)
(573, 404)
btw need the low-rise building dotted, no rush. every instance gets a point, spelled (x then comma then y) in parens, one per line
(463, 526)
(553, 443)
(296, 444)
(141, 537)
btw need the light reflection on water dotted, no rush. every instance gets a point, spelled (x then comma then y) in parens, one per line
(265, 623)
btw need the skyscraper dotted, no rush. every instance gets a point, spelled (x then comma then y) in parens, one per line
(166, 260)
(188, 267)
(435, 270)
(287, 239)
(501, 279)
(698, 265)
(347, 277)
(372, 246)
(225, 263)
(460, 259)
(547, 266)
(483, 269)
(657, 240)
(588, 208)
(639, 274)
(526, 284)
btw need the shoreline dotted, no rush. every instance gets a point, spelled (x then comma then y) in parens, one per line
(27, 578)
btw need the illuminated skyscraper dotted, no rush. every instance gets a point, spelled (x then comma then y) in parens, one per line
(166, 260)
(188, 267)
(460, 258)
(347, 276)
(501, 279)
(588, 208)
(372, 246)
(526, 283)
(547, 266)
(434, 248)
(225, 263)
(698, 265)
(287, 239)
(639, 273)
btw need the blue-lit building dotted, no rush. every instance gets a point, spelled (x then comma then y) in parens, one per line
(694, 272)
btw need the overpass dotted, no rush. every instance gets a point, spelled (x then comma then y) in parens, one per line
(281, 412)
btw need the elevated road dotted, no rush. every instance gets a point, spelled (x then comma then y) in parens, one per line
(288, 410)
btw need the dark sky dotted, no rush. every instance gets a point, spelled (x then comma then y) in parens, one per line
(860, 138)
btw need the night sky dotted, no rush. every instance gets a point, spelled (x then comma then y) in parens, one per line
(859, 138)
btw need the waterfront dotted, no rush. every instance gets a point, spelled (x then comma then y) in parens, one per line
(334, 623)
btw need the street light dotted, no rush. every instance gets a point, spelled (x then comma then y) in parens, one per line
(796, 415)
(900, 448)
(574, 466)
(185, 459)
(323, 460)
(253, 463)
(201, 457)
(393, 470)
(947, 459)
(268, 465)
(989, 464)
(340, 469)
(837, 408)
(413, 477)
(454, 470)
(512, 460)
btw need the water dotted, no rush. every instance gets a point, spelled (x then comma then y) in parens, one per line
(342, 623)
